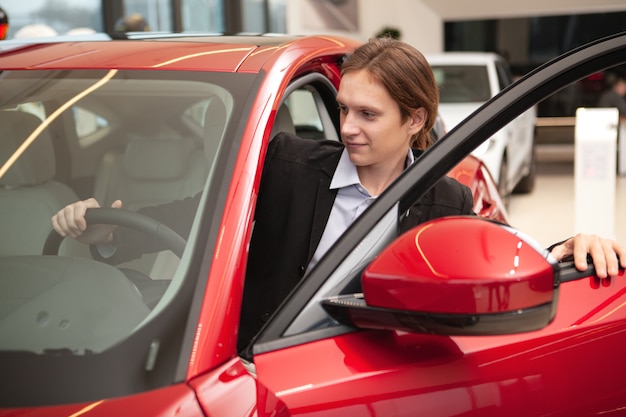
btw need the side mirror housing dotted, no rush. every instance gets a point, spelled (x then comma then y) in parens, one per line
(455, 276)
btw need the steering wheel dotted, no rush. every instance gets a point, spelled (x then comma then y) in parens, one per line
(122, 217)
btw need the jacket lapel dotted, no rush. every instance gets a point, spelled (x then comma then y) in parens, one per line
(323, 206)
(323, 202)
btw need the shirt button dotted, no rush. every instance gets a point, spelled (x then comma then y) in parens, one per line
(265, 317)
(301, 271)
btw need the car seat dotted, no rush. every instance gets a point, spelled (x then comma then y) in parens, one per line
(152, 171)
(29, 195)
(283, 122)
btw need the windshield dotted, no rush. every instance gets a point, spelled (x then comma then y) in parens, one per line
(143, 137)
(462, 83)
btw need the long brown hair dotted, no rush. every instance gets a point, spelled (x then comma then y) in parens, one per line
(406, 75)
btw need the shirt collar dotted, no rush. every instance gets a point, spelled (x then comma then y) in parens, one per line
(346, 174)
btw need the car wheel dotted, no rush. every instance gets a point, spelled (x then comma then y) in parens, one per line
(527, 183)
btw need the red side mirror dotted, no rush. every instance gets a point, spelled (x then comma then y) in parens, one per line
(456, 275)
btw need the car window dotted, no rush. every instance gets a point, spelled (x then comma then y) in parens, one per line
(90, 126)
(345, 280)
(193, 117)
(305, 114)
(311, 103)
(146, 139)
(36, 108)
(462, 83)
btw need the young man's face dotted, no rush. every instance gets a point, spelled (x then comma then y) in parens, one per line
(372, 128)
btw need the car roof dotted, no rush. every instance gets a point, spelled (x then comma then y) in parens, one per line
(246, 53)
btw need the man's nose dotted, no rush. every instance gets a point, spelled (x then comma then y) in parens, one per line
(349, 127)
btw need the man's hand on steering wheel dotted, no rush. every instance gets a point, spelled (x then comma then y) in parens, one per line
(70, 221)
(112, 217)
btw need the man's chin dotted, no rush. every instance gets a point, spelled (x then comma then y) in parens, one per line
(357, 159)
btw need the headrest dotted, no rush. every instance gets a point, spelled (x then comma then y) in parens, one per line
(36, 165)
(157, 159)
(283, 122)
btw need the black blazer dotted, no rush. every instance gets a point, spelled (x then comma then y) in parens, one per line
(293, 207)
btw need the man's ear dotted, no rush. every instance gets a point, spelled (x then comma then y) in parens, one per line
(418, 120)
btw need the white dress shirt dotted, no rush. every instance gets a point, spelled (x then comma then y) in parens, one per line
(351, 200)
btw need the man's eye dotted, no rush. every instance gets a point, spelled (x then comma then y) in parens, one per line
(342, 108)
(369, 114)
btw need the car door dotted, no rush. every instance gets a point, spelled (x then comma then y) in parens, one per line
(309, 362)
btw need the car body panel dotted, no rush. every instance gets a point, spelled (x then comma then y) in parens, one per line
(487, 201)
(499, 373)
(134, 54)
(489, 381)
(339, 369)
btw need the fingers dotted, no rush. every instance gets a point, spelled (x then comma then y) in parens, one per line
(620, 253)
(70, 220)
(611, 259)
(607, 255)
(581, 247)
(603, 252)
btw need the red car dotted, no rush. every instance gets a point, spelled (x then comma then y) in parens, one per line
(463, 316)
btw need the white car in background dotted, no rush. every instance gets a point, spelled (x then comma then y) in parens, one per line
(467, 80)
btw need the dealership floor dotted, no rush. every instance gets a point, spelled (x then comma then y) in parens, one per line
(548, 213)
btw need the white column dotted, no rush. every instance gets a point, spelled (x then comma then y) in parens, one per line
(595, 170)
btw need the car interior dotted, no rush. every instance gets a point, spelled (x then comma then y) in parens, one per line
(29, 194)
(52, 155)
(108, 147)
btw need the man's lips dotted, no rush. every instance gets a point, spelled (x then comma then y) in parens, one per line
(354, 145)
